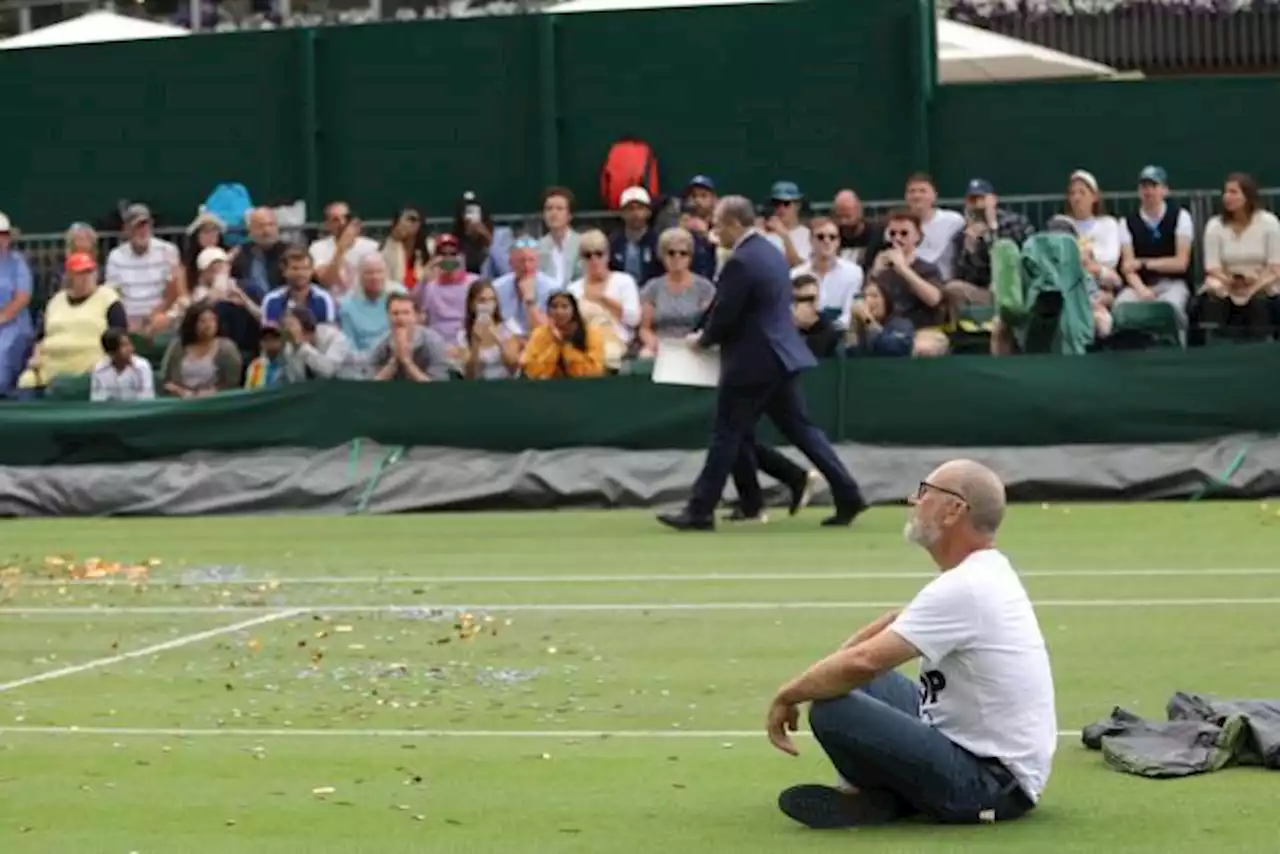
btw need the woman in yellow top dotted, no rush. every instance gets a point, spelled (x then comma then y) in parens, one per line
(564, 346)
(70, 335)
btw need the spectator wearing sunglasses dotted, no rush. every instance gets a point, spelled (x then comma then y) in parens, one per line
(523, 292)
(607, 298)
(672, 304)
(783, 227)
(912, 286)
(818, 331)
(839, 281)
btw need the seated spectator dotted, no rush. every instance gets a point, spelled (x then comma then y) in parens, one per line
(1155, 247)
(79, 237)
(1094, 227)
(199, 361)
(606, 298)
(267, 369)
(485, 246)
(783, 228)
(819, 332)
(212, 275)
(363, 312)
(558, 248)
(69, 338)
(875, 331)
(985, 223)
(239, 309)
(17, 332)
(523, 292)
(314, 350)
(697, 216)
(442, 301)
(406, 250)
(672, 303)
(1241, 261)
(258, 267)
(565, 346)
(839, 281)
(205, 231)
(410, 351)
(912, 286)
(633, 249)
(147, 271)
(488, 346)
(337, 256)
(860, 240)
(299, 291)
(121, 374)
(937, 227)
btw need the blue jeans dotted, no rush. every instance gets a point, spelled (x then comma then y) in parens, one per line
(876, 740)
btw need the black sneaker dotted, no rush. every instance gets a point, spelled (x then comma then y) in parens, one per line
(844, 516)
(828, 808)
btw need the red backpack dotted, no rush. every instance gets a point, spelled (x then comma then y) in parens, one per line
(631, 163)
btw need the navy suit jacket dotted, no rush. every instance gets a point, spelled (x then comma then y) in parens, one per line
(750, 318)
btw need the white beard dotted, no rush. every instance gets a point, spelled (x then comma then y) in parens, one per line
(919, 533)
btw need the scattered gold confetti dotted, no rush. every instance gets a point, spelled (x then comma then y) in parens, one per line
(355, 646)
(551, 650)
(343, 629)
(321, 791)
(254, 644)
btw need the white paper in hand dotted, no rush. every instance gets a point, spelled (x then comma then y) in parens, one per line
(679, 364)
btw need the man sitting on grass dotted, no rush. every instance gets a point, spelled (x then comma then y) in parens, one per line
(975, 742)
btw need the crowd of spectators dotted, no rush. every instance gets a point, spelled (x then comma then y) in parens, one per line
(479, 301)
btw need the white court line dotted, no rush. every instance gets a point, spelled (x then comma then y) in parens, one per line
(426, 608)
(871, 575)
(178, 732)
(176, 643)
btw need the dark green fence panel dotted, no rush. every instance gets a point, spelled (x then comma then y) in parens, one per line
(819, 92)
(1028, 137)
(162, 120)
(420, 112)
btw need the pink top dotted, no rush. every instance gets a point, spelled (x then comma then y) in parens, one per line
(445, 305)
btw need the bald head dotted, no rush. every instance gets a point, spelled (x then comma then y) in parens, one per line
(846, 208)
(981, 489)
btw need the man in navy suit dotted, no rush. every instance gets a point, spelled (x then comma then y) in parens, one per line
(761, 357)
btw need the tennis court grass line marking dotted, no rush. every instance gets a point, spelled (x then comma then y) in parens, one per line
(429, 609)
(176, 643)
(870, 575)
(178, 732)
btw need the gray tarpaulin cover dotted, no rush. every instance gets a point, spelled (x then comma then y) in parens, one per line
(363, 477)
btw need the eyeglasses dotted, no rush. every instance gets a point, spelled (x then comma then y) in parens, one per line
(677, 253)
(805, 300)
(827, 237)
(925, 486)
(591, 253)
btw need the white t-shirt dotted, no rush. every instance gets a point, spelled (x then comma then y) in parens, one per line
(801, 239)
(936, 244)
(837, 289)
(323, 250)
(620, 287)
(1103, 233)
(985, 681)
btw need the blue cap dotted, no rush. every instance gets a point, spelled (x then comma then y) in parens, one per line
(703, 181)
(979, 187)
(1153, 175)
(786, 191)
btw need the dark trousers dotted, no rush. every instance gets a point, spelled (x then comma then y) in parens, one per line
(875, 739)
(772, 462)
(733, 450)
(1254, 319)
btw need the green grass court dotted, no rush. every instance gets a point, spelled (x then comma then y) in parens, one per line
(305, 685)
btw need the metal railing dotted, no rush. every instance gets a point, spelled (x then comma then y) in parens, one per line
(45, 253)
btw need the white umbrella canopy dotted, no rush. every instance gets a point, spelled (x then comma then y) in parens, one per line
(93, 28)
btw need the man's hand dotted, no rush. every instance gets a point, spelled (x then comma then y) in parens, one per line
(525, 287)
(400, 344)
(1144, 293)
(775, 226)
(783, 720)
(894, 258)
(292, 328)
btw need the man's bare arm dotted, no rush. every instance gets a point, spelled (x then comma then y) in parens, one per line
(872, 629)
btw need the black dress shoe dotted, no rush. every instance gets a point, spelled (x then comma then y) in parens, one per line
(802, 493)
(826, 808)
(682, 521)
(844, 516)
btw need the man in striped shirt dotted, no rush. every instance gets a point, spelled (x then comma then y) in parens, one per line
(147, 271)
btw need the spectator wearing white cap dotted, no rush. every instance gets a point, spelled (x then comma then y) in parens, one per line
(147, 271)
(1100, 232)
(634, 248)
(16, 329)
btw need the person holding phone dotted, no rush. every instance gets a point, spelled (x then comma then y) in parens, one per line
(488, 347)
(485, 246)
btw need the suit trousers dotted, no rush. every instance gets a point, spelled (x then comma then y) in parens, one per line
(732, 451)
(875, 739)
